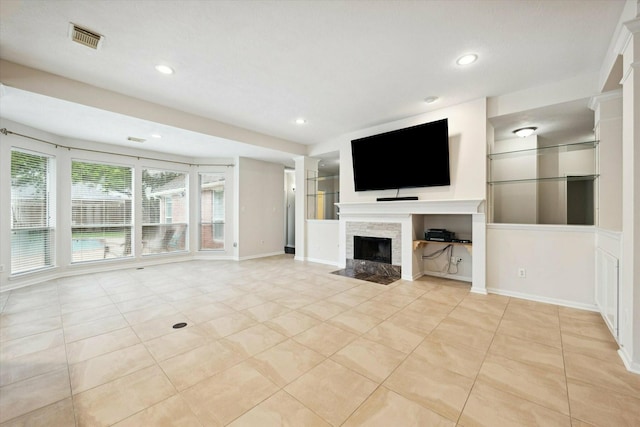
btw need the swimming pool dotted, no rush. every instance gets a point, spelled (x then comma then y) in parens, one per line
(86, 244)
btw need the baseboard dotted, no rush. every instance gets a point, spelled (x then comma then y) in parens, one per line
(55, 273)
(628, 363)
(537, 298)
(245, 258)
(322, 261)
(479, 291)
(412, 278)
(447, 276)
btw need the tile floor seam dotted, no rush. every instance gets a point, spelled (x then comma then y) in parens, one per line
(68, 376)
(486, 353)
(310, 409)
(527, 399)
(257, 404)
(564, 365)
(381, 384)
(599, 385)
(73, 401)
(66, 356)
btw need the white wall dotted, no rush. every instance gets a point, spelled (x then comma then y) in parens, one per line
(609, 133)
(515, 202)
(290, 208)
(260, 207)
(323, 244)
(559, 263)
(467, 151)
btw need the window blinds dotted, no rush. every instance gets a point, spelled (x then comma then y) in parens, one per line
(212, 211)
(32, 211)
(165, 213)
(101, 211)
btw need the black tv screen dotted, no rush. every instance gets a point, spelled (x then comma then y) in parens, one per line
(416, 156)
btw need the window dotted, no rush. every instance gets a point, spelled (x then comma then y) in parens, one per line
(101, 211)
(212, 208)
(164, 211)
(32, 211)
(168, 209)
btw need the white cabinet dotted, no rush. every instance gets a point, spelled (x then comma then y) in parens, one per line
(607, 282)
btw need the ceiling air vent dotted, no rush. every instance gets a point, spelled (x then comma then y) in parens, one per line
(134, 139)
(84, 36)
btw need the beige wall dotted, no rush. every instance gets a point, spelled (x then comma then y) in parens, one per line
(260, 208)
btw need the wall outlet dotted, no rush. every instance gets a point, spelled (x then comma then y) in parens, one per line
(522, 273)
(455, 260)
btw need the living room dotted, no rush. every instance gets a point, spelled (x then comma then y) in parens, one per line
(211, 190)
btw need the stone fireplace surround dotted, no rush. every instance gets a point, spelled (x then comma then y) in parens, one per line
(373, 271)
(403, 222)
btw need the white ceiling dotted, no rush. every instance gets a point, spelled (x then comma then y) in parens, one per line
(342, 65)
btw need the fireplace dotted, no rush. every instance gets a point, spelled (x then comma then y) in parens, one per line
(373, 257)
(404, 222)
(376, 249)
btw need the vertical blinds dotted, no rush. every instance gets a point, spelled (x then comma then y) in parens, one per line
(165, 213)
(212, 210)
(101, 211)
(32, 211)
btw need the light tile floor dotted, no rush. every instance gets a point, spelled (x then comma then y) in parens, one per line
(275, 342)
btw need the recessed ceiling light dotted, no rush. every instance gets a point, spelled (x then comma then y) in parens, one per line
(467, 59)
(301, 121)
(431, 99)
(156, 135)
(525, 132)
(164, 69)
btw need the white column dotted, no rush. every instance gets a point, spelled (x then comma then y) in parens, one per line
(479, 259)
(630, 266)
(303, 164)
(608, 130)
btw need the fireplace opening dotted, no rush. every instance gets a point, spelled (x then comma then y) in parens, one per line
(376, 249)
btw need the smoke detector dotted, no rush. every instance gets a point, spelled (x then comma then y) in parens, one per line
(84, 36)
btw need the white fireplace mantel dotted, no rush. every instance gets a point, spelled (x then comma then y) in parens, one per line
(403, 211)
(410, 207)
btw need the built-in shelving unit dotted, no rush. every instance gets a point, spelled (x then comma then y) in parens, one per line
(555, 149)
(547, 184)
(323, 192)
(417, 244)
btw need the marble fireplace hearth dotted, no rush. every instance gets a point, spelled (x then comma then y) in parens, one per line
(371, 271)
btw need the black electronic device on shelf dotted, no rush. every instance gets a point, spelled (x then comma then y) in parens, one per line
(439, 235)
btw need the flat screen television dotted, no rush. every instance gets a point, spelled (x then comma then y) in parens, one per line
(416, 156)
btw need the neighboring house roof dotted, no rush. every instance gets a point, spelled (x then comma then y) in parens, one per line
(176, 185)
(83, 191)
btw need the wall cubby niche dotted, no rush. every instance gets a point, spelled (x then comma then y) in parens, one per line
(440, 264)
(323, 192)
(543, 184)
